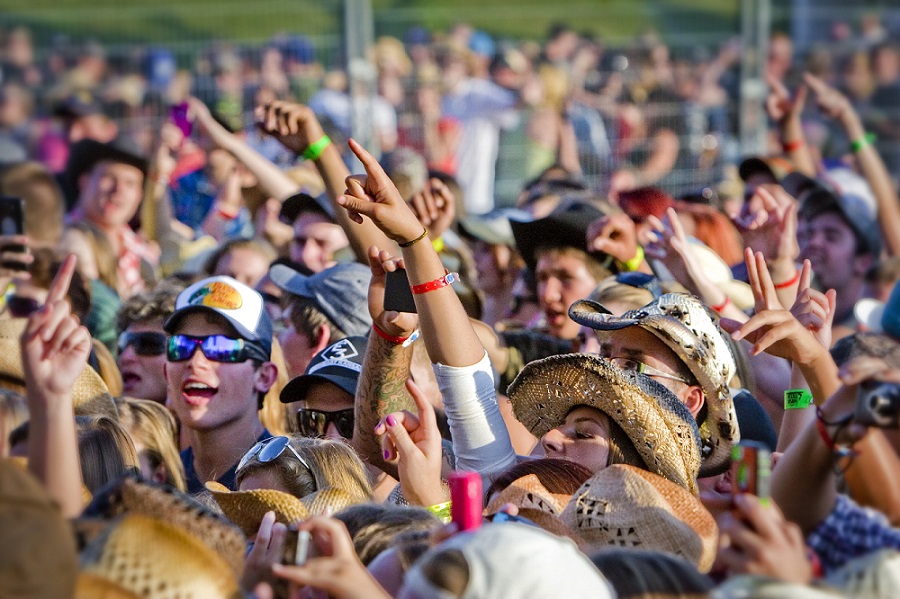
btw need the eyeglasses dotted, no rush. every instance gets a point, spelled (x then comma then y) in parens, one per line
(269, 449)
(217, 348)
(146, 343)
(314, 423)
(630, 365)
(21, 307)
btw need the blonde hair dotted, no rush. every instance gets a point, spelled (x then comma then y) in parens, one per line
(609, 291)
(275, 415)
(105, 450)
(331, 464)
(13, 412)
(152, 426)
(105, 257)
(44, 204)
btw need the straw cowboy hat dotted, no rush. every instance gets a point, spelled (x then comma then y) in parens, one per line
(626, 507)
(132, 496)
(89, 393)
(535, 502)
(688, 328)
(662, 430)
(247, 508)
(155, 559)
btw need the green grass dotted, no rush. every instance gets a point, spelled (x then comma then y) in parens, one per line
(187, 22)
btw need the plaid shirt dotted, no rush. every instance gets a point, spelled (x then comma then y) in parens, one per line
(851, 531)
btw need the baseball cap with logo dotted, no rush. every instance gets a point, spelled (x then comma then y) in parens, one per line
(240, 305)
(339, 364)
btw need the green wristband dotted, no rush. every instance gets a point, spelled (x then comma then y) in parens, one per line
(315, 149)
(441, 511)
(866, 140)
(797, 399)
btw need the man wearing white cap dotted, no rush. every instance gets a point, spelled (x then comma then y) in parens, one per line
(217, 373)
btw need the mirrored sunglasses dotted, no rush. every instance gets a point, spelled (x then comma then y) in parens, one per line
(269, 449)
(217, 348)
(21, 307)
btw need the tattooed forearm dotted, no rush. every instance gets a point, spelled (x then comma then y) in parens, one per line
(381, 390)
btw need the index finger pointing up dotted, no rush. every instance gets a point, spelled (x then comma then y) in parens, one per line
(59, 288)
(373, 169)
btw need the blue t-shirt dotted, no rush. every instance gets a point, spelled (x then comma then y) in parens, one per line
(228, 479)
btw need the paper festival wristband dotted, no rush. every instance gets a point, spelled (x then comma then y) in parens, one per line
(634, 263)
(441, 511)
(797, 399)
(402, 341)
(863, 142)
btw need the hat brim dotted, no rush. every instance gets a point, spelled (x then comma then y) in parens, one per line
(565, 228)
(288, 279)
(719, 431)
(247, 508)
(298, 388)
(660, 427)
(87, 153)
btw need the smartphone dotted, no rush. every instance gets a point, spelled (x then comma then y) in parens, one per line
(878, 404)
(12, 222)
(397, 293)
(298, 547)
(751, 466)
(179, 115)
(467, 500)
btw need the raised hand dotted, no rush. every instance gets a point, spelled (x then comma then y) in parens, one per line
(435, 207)
(294, 125)
(829, 100)
(415, 442)
(55, 347)
(814, 309)
(772, 328)
(779, 104)
(768, 223)
(399, 324)
(375, 196)
(615, 235)
(268, 550)
(337, 569)
(760, 541)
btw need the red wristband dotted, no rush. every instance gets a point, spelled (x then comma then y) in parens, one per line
(447, 279)
(720, 307)
(388, 337)
(791, 282)
(823, 432)
(792, 146)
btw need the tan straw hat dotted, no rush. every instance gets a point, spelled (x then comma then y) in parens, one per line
(690, 329)
(131, 496)
(626, 507)
(158, 560)
(89, 394)
(661, 428)
(535, 502)
(247, 508)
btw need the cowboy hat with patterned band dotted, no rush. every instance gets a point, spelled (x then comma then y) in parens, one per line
(658, 424)
(688, 328)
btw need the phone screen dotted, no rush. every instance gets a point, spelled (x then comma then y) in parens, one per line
(12, 223)
(397, 294)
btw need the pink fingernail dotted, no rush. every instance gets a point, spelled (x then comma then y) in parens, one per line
(387, 455)
(391, 420)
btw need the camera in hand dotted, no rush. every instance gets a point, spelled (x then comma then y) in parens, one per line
(12, 222)
(878, 404)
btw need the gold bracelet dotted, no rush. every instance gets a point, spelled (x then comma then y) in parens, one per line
(406, 244)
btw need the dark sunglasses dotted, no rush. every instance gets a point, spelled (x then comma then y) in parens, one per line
(314, 423)
(21, 307)
(145, 343)
(217, 348)
(269, 449)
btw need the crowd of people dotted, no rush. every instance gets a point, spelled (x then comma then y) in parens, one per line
(231, 367)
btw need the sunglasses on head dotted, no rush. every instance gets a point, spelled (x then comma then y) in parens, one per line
(21, 307)
(146, 343)
(217, 348)
(269, 449)
(314, 423)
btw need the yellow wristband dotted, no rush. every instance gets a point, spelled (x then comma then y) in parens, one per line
(634, 263)
(441, 511)
(438, 244)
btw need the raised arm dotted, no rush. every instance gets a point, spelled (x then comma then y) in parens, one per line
(55, 350)
(786, 111)
(297, 128)
(834, 104)
(271, 178)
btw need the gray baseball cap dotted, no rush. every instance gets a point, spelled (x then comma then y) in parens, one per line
(340, 292)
